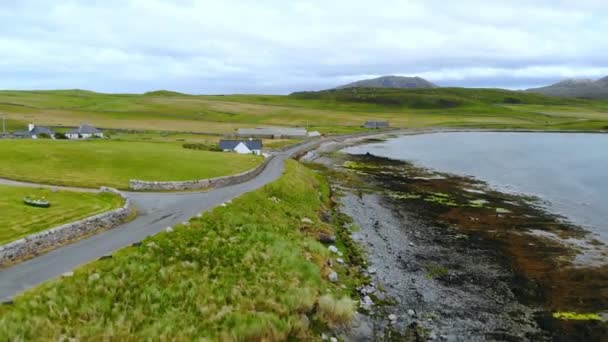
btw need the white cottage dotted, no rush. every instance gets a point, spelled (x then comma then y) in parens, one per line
(242, 146)
(84, 132)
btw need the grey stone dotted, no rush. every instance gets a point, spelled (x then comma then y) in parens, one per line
(392, 318)
(411, 312)
(326, 238)
(169, 229)
(68, 274)
(333, 249)
(340, 260)
(306, 220)
(333, 277)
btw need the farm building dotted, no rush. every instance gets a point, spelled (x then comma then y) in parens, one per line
(272, 132)
(376, 124)
(242, 146)
(35, 132)
(84, 132)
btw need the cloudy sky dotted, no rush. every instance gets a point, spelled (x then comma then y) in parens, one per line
(276, 46)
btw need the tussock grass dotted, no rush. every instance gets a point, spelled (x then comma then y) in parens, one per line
(244, 272)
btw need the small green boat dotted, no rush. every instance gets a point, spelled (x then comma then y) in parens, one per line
(36, 202)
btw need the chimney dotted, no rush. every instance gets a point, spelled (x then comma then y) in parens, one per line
(30, 127)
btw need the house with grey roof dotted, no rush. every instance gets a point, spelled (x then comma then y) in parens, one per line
(85, 131)
(251, 146)
(35, 132)
(376, 124)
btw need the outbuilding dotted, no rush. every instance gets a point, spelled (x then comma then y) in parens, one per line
(251, 146)
(376, 124)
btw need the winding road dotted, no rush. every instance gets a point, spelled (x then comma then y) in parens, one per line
(156, 211)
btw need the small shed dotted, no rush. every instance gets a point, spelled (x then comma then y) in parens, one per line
(242, 146)
(376, 124)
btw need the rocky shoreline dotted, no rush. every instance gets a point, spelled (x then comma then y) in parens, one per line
(452, 260)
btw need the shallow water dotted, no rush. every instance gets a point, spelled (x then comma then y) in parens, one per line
(568, 171)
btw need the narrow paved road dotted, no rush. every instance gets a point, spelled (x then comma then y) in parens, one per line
(156, 212)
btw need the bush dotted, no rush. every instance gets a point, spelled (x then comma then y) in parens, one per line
(202, 147)
(44, 136)
(60, 136)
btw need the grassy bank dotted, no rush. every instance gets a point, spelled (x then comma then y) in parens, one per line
(250, 271)
(18, 220)
(112, 163)
(339, 111)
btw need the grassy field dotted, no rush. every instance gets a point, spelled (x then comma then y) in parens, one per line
(250, 271)
(340, 111)
(18, 220)
(97, 163)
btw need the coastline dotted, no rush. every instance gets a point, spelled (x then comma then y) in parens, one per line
(486, 295)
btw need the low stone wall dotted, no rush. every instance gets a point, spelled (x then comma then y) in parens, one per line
(40, 242)
(209, 183)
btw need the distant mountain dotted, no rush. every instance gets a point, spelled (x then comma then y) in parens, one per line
(391, 82)
(586, 88)
(164, 93)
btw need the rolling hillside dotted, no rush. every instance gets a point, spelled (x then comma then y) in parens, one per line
(399, 82)
(583, 88)
(331, 111)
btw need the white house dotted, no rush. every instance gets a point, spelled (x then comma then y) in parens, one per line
(84, 132)
(242, 146)
(35, 132)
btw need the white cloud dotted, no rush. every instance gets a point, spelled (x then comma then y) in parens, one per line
(281, 46)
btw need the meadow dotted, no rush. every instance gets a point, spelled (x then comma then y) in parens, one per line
(249, 271)
(19, 220)
(96, 163)
(335, 111)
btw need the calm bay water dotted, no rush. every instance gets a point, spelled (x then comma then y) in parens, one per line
(569, 171)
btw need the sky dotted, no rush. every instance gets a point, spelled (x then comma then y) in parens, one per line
(277, 46)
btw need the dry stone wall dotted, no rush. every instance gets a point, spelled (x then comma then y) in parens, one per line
(40, 242)
(210, 183)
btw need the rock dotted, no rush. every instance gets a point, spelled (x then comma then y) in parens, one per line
(366, 303)
(94, 276)
(333, 249)
(371, 270)
(340, 253)
(333, 277)
(68, 274)
(326, 238)
(411, 244)
(169, 229)
(306, 220)
(340, 261)
(325, 216)
(323, 337)
(411, 312)
(333, 339)
(199, 215)
(392, 318)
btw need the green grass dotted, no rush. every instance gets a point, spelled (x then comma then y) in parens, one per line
(97, 163)
(244, 272)
(18, 220)
(339, 111)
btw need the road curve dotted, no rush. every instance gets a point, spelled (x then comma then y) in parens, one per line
(156, 212)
